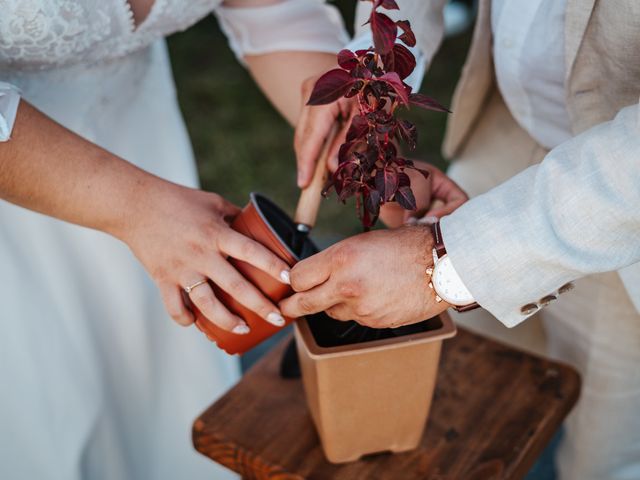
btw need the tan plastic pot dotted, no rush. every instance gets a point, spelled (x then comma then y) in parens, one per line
(373, 396)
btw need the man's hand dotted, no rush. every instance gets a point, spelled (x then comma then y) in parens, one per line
(313, 127)
(436, 197)
(377, 279)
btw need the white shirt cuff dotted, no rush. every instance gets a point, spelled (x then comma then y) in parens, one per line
(290, 25)
(9, 100)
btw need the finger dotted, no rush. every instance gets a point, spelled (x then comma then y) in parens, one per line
(311, 132)
(174, 304)
(340, 312)
(446, 209)
(316, 300)
(205, 300)
(243, 248)
(232, 282)
(311, 272)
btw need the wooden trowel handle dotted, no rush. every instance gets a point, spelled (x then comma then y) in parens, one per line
(311, 196)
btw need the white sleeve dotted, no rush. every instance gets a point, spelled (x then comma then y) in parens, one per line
(574, 214)
(9, 100)
(290, 25)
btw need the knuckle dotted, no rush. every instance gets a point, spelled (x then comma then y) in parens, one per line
(350, 289)
(344, 255)
(238, 286)
(249, 249)
(363, 312)
(305, 304)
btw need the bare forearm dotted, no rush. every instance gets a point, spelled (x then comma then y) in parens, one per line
(280, 76)
(49, 169)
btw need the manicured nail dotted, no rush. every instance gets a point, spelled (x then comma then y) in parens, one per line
(276, 319)
(285, 277)
(411, 221)
(241, 329)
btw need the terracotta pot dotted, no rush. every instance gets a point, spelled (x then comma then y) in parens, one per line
(263, 221)
(373, 396)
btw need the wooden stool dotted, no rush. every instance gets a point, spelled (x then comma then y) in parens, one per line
(494, 411)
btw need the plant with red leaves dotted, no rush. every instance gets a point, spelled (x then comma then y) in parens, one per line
(370, 167)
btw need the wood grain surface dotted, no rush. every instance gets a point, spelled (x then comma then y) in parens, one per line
(494, 411)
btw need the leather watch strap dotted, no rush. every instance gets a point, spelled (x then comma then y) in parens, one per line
(437, 239)
(438, 245)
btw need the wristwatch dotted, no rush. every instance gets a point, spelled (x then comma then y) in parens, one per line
(444, 279)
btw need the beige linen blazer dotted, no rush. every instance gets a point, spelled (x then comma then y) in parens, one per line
(540, 219)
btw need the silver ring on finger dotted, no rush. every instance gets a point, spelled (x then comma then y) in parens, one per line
(190, 288)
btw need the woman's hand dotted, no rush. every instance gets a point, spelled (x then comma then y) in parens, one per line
(313, 127)
(436, 197)
(182, 236)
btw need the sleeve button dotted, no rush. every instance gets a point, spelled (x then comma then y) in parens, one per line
(544, 301)
(529, 308)
(566, 287)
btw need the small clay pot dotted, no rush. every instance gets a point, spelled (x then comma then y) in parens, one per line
(372, 396)
(263, 221)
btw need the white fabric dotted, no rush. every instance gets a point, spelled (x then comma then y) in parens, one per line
(585, 219)
(9, 100)
(300, 25)
(528, 52)
(97, 382)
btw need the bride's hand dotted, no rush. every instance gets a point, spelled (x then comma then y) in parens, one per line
(182, 236)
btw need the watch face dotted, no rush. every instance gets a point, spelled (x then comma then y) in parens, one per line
(448, 285)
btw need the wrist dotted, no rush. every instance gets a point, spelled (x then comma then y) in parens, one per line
(445, 280)
(138, 203)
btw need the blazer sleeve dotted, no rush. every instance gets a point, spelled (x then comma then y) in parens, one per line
(574, 214)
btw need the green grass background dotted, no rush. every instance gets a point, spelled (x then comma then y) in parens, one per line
(242, 144)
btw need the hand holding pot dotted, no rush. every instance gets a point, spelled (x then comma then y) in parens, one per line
(436, 197)
(376, 278)
(183, 239)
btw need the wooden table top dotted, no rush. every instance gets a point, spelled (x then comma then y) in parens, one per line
(494, 411)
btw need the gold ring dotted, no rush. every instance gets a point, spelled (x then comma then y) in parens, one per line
(190, 288)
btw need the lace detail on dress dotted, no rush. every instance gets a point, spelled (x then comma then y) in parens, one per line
(44, 34)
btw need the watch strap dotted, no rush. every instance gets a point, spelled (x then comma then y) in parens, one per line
(438, 245)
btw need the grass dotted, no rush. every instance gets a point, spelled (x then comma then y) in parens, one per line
(243, 145)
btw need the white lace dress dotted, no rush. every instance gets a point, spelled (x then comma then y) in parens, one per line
(96, 381)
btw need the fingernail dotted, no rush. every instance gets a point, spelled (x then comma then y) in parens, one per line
(276, 319)
(411, 221)
(285, 277)
(241, 329)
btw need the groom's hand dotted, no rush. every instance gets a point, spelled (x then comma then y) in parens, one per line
(376, 278)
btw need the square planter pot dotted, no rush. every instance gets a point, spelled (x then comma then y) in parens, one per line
(372, 396)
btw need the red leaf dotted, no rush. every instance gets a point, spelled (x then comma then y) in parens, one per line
(384, 32)
(408, 133)
(404, 197)
(429, 103)
(358, 128)
(392, 79)
(331, 86)
(372, 203)
(407, 36)
(404, 61)
(347, 59)
(387, 183)
(388, 4)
